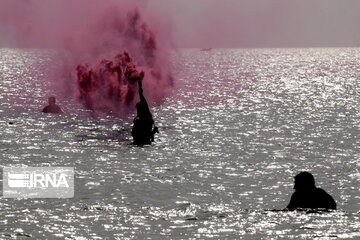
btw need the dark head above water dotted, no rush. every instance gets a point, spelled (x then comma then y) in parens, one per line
(52, 107)
(304, 180)
(52, 100)
(307, 195)
(142, 110)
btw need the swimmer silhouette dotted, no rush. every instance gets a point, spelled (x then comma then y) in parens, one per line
(306, 195)
(143, 130)
(52, 107)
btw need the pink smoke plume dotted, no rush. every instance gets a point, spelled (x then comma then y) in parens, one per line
(110, 44)
(110, 86)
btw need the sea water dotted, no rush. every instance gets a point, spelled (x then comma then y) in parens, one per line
(236, 128)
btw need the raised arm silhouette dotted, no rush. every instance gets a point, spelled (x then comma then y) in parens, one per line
(143, 130)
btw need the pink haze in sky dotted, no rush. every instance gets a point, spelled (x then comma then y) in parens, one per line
(198, 23)
(263, 23)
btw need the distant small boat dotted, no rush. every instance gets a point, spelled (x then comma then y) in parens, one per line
(205, 49)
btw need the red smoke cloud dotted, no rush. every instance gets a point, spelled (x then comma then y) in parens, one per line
(111, 86)
(109, 42)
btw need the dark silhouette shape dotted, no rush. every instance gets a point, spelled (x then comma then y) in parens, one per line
(52, 107)
(307, 195)
(143, 130)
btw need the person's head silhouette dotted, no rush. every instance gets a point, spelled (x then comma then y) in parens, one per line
(52, 100)
(143, 110)
(52, 107)
(304, 181)
(307, 195)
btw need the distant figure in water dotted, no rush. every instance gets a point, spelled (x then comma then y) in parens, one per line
(52, 107)
(306, 195)
(143, 130)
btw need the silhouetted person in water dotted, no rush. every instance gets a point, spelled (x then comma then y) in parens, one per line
(52, 107)
(143, 130)
(306, 195)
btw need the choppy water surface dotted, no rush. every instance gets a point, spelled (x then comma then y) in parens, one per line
(239, 125)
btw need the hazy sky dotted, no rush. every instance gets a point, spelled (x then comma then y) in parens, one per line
(201, 23)
(263, 23)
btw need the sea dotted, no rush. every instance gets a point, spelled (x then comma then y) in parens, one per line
(235, 129)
